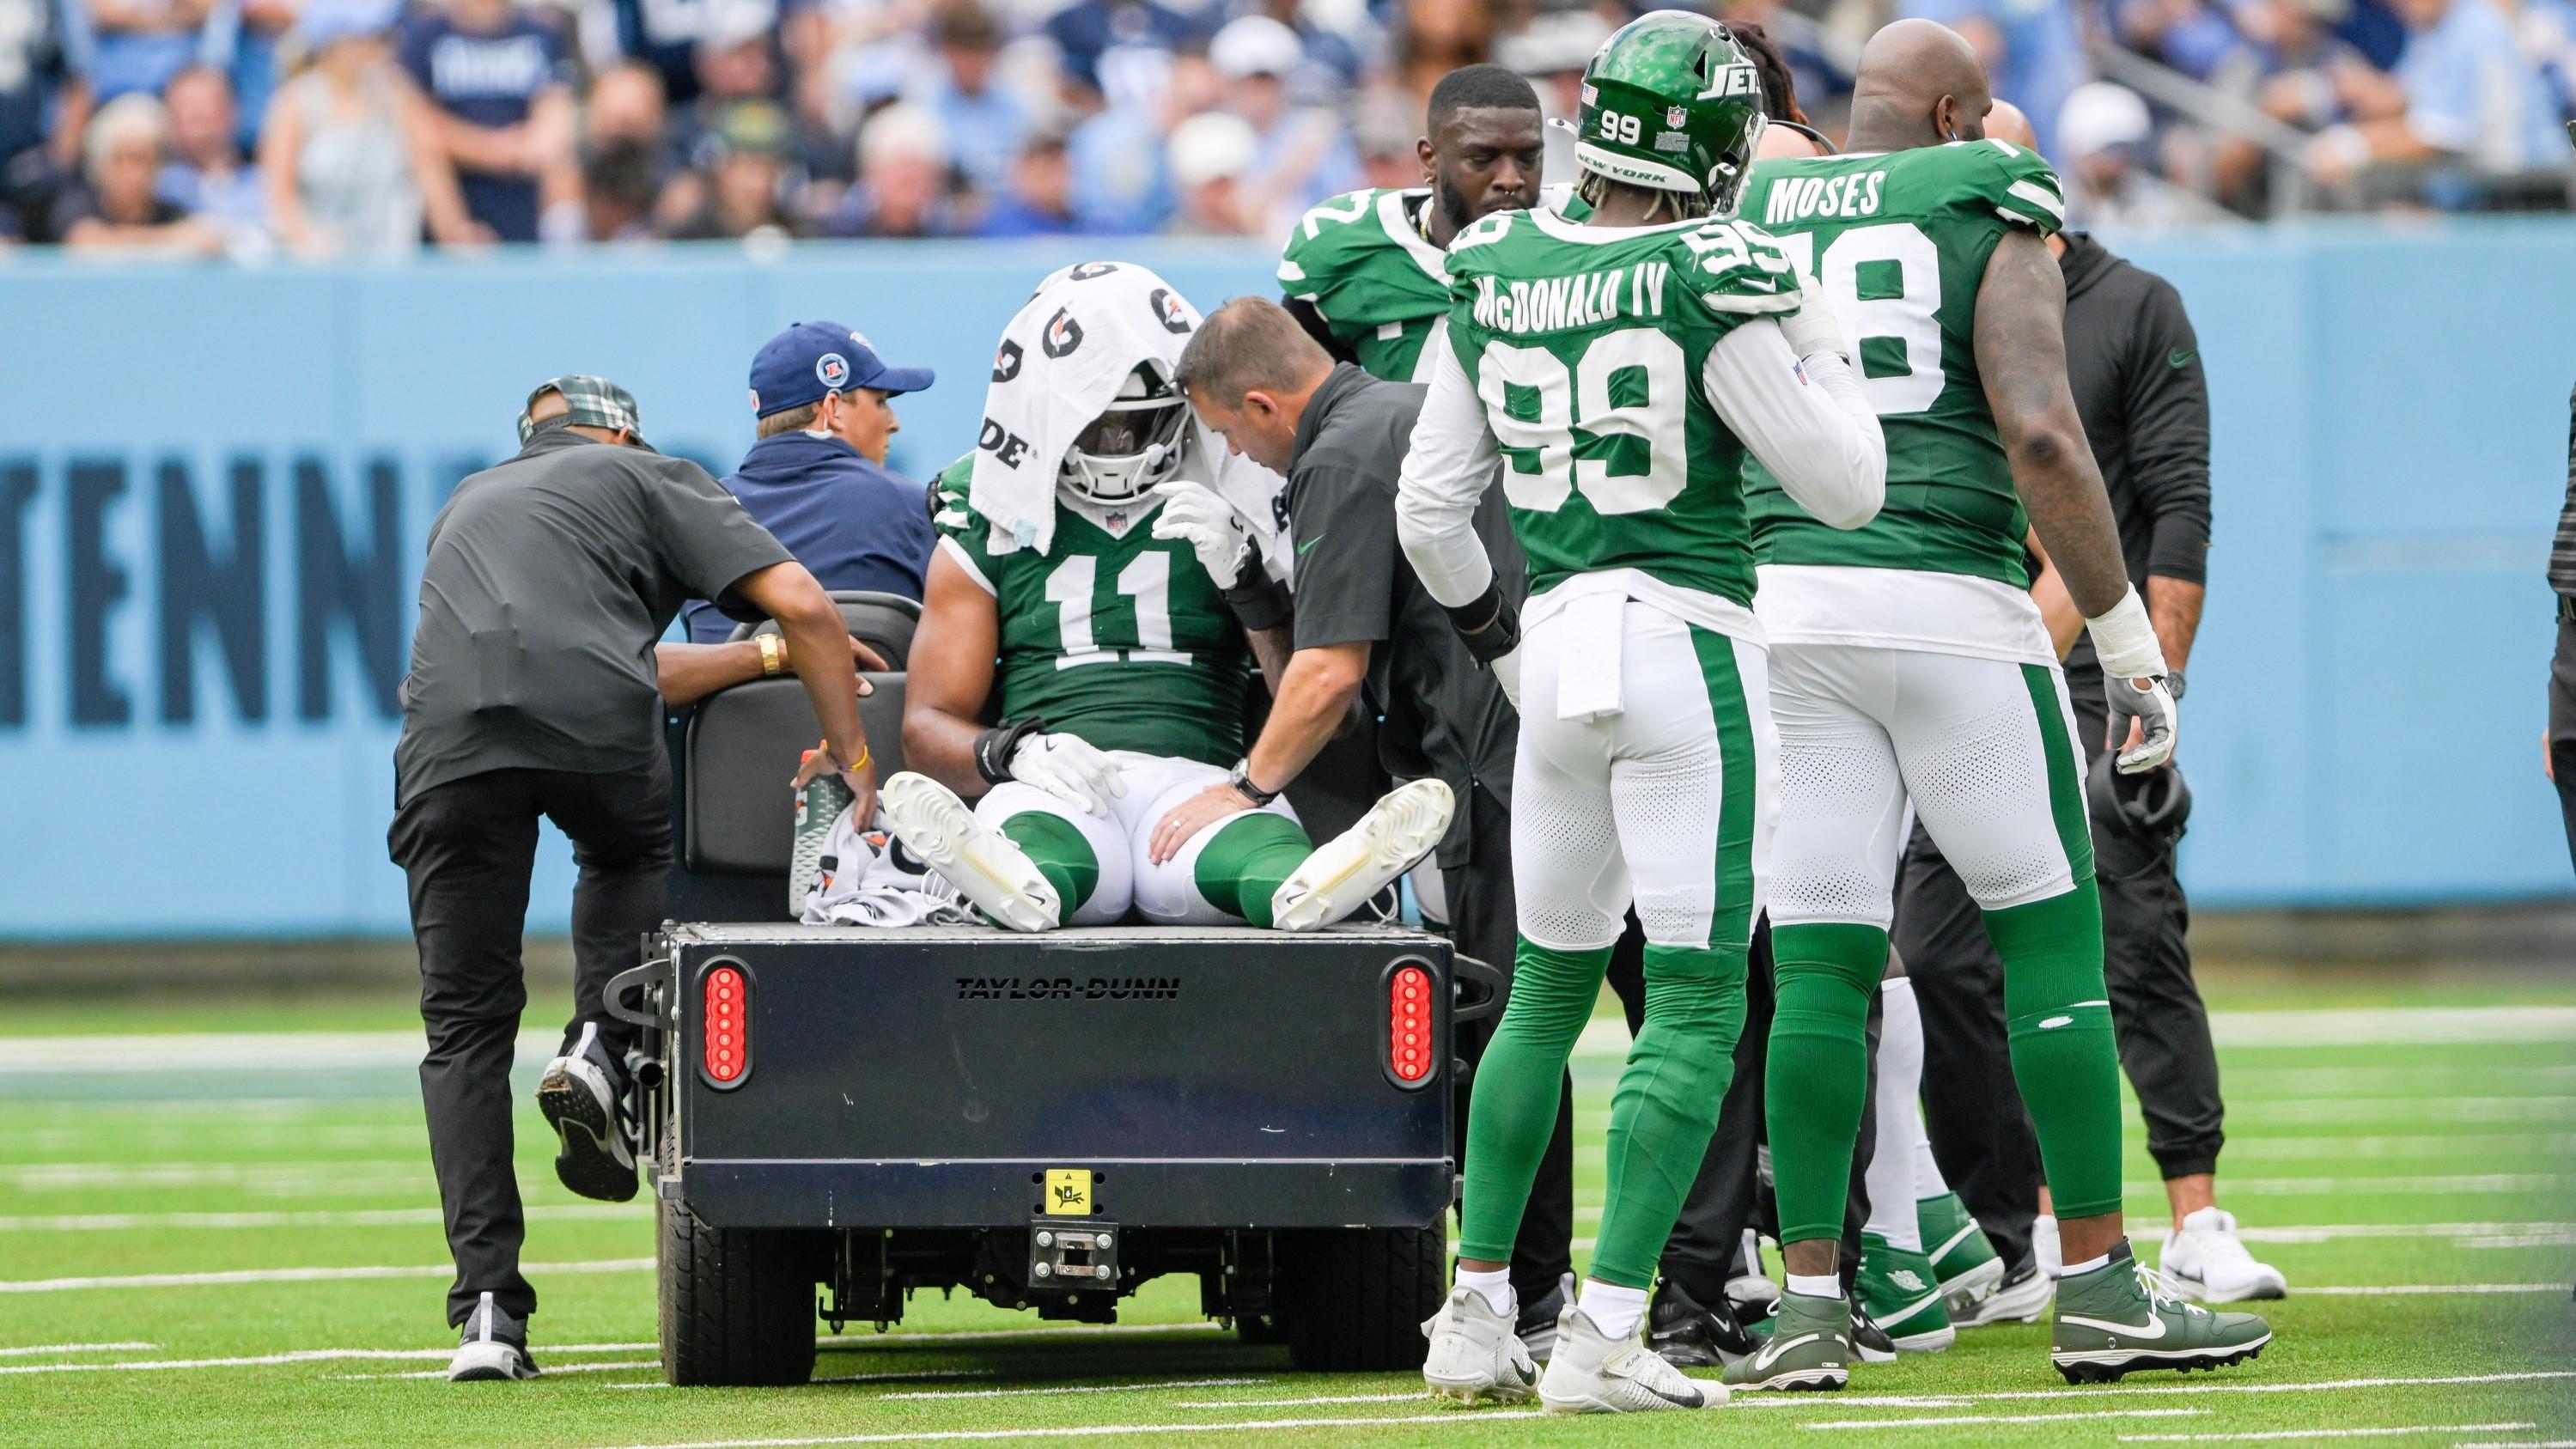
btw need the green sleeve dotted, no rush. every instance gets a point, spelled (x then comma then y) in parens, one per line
(2022, 189)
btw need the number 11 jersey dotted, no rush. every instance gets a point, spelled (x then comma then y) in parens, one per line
(1900, 242)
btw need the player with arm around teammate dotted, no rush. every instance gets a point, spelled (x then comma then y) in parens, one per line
(1621, 368)
(1908, 661)
(1117, 672)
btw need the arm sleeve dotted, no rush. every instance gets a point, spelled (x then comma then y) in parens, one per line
(2168, 405)
(1345, 562)
(702, 533)
(1807, 422)
(1446, 471)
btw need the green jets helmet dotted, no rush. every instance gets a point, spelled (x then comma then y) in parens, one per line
(1672, 102)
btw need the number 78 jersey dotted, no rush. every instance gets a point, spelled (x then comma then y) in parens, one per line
(1900, 241)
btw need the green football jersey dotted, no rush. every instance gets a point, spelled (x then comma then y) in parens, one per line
(1361, 259)
(1120, 639)
(1900, 240)
(1586, 346)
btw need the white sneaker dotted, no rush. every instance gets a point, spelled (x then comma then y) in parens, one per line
(1751, 1292)
(2204, 1258)
(1340, 876)
(984, 865)
(1474, 1353)
(2045, 1246)
(1589, 1374)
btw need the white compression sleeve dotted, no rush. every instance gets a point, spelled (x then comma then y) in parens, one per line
(1447, 468)
(1900, 1122)
(1804, 418)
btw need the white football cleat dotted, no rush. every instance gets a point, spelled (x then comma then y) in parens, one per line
(1589, 1374)
(1345, 871)
(1474, 1353)
(984, 865)
(2203, 1257)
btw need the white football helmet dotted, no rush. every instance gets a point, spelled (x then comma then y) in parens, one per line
(1138, 442)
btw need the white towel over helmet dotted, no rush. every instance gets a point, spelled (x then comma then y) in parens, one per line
(1062, 363)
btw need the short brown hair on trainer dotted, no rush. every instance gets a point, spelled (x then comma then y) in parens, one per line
(1250, 342)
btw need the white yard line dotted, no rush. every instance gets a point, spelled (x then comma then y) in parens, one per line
(2467, 1234)
(233, 1051)
(33, 1349)
(2320, 1386)
(300, 1355)
(1074, 1389)
(2483, 1144)
(2463, 1183)
(2516, 1444)
(568, 1368)
(2395, 1290)
(2387, 1433)
(1095, 1431)
(243, 1221)
(1954, 1420)
(2335, 1111)
(297, 1275)
(314, 1176)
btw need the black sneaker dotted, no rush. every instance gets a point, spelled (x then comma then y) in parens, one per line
(1870, 1343)
(493, 1346)
(1535, 1324)
(582, 1096)
(1692, 1334)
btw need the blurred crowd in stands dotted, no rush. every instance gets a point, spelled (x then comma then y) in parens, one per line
(314, 128)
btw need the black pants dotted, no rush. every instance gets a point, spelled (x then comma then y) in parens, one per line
(2562, 717)
(1726, 1198)
(1973, 1111)
(467, 848)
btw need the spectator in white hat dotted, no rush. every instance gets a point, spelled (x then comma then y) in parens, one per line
(1211, 157)
(1302, 153)
(2107, 145)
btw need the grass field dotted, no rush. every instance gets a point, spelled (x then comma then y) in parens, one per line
(218, 1227)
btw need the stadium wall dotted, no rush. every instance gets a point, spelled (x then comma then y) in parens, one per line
(215, 486)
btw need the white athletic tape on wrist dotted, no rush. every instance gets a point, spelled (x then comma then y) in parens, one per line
(2126, 641)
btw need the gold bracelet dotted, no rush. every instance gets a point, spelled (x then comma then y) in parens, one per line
(772, 658)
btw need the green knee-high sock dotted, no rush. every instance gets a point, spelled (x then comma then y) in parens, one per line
(1819, 1068)
(1060, 853)
(2059, 1019)
(1666, 1103)
(1513, 1110)
(1247, 860)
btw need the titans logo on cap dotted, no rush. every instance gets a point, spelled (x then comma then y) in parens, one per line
(832, 370)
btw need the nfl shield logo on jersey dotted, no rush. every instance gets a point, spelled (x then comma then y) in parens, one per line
(1674, 116)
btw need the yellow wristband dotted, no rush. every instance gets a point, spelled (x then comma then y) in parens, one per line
(861, 763)
(772, 657)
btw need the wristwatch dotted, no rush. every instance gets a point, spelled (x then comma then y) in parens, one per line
(2173, 684)
(1241, 780)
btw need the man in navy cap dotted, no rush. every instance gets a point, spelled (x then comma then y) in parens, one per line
(817, 478)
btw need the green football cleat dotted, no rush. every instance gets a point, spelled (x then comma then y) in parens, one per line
(1899, 1289)
(1809, 1348)
(2119, 1319)
(1961, 1256)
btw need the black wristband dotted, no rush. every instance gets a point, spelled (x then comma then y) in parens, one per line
(1241, 780)
(994, 746)
(2173, 684)
(1488, 625)
(1261, 602)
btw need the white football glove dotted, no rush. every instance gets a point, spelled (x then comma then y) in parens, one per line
(1067, 767)
(1815, 327)
(1214, 529)
(1507, 673)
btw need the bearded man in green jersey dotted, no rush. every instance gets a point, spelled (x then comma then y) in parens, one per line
(1620, 369)
(1364, 271)
(1059, 601)
(1909, 661)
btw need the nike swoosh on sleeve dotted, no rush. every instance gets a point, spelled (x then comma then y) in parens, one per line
(2178, 358)
(1310, 543)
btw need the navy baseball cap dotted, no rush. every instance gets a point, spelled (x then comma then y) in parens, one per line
(810, 359)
